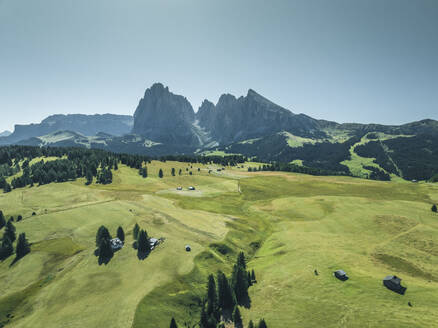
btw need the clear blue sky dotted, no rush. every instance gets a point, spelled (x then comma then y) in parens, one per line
(343, 60)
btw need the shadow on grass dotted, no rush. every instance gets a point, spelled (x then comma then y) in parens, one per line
(142, 255)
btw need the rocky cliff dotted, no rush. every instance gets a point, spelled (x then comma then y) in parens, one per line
(165, 117)
(236, 119)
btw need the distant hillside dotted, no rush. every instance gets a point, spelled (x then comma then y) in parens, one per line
(88, 125)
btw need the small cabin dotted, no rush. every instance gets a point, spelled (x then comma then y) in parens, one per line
(116, 244)
(191, 188)
(341, 275)
(153, 242)
(188, 248)
(394, 283)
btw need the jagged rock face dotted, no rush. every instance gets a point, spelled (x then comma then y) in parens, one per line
(87, 125)
(164, 117)
(250, 117)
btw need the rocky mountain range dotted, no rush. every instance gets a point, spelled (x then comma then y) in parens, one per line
(165, 123)
(88, 125)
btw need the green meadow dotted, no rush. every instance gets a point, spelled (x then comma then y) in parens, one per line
(287, 224)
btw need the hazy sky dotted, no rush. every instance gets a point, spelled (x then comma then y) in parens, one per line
(343, 60)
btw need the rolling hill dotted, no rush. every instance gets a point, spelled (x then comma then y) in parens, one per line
(287, 224)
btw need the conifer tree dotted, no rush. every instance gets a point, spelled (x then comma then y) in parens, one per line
(237, 318)
(160, 174)
(10, 231)
(144, 246)
(212, 306)
(19, 218)
(135, 231)
(89, 177)
(179, 172)
(241, 261)
(240, 284)
(173, 323)
(23, 246)
(226, 299)
(105, 250)
(251, 324)
(102, 233)
(7, 187)
(173, 171)
(120, 234)
(262, 324)
(203, 322)
(6, 248)
(2, 220)
(434, 208)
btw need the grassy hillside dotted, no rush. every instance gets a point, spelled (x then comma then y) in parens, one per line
(288, 224)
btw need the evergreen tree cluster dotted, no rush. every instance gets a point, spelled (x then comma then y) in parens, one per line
(289, 167)
(143, 172)
(223, 299)
(9, 236)
(434, 209)
(103, 243)
(141, 242)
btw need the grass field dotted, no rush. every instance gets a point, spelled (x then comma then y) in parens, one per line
(288, 224)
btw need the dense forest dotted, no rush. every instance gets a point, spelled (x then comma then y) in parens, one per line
(415, 157)
(67, 164)
(325, 156)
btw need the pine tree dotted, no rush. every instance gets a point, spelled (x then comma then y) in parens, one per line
(212, 306)
(253, 276)
(241, 261)
(251, 324)
(240, 284)
(173, 171)
(19, 218)
(6, 248)
(2, 220)
(179, 172)
(144, 246)
(434, 208)
(7, 187)
(89, 177)
(226, 298)
(237, 318)
(173, 323)
(203, 322)
(10, 231)
(135, 231)
(160, 174)
(23, 246)
(105, 250)
(120, 234)
(262, 324)
(102, 233)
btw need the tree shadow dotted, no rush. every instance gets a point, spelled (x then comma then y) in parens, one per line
(142, 255)
(104, 260)
(246, 302)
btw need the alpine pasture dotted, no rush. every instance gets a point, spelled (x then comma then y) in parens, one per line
(287, 224)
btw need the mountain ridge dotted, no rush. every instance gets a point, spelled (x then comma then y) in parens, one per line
(165, 123)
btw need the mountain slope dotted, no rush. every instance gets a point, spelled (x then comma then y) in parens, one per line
(235, 119)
